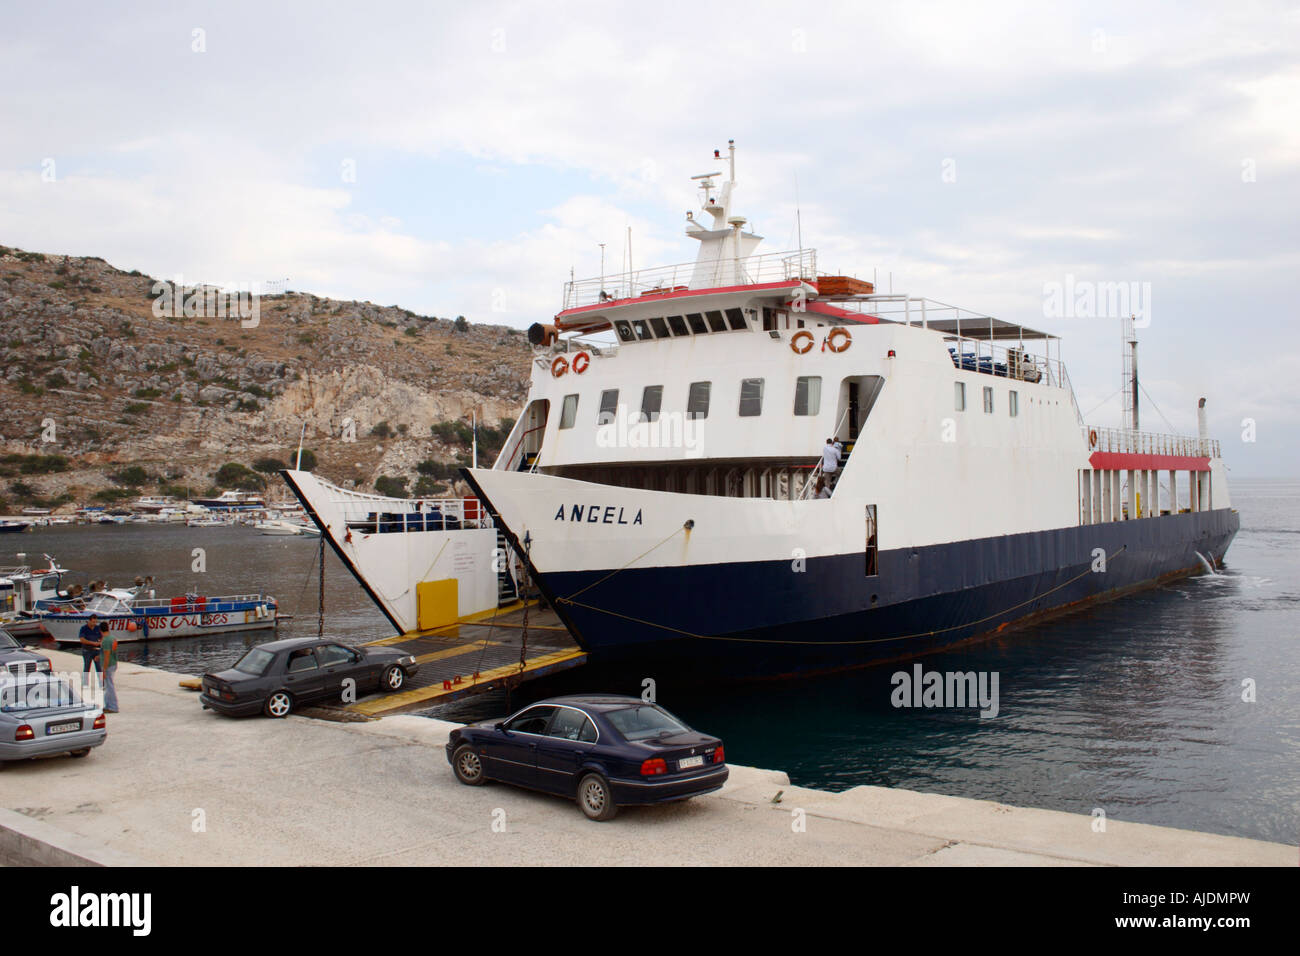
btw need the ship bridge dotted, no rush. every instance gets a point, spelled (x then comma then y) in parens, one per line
(727, 374)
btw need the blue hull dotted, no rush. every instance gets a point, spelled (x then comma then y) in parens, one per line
(764, 619)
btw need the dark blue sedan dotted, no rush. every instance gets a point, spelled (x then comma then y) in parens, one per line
(605, 752)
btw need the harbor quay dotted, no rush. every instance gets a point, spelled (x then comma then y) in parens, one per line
(177, 785)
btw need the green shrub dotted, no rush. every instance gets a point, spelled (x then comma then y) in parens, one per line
(269, 466)
(130, 475)
(392, 487)
(233, 474)
(426, 487)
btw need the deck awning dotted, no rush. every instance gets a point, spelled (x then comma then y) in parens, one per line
(987, 329)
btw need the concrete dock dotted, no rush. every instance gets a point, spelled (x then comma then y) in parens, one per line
(177, 785)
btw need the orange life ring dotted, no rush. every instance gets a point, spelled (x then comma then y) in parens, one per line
(839, 330)
(559, 366)
(1092, 438)
(797, 337)
(585, 359)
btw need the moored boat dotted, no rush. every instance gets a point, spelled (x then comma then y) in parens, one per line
(133, 618)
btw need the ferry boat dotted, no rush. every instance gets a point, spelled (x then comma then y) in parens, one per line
(664, 484)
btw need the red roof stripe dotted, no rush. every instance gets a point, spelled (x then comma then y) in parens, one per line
(1130, 461)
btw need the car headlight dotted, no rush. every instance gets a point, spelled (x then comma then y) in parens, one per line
(407, 660)
(43, 666)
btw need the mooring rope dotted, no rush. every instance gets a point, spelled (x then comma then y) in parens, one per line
(569, 599)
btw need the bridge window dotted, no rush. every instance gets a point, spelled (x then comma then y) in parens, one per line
(716, 322)
(736, 319)
(678, 325)
(608, 407)
(660, 327)
(642, 328)
(696, 321)
(624, 329)
(652, 399)
(697, 401)
(1013, 403)
(808, 395)
(569, 411)
(751, 397)
(959, 396)
(988, 399)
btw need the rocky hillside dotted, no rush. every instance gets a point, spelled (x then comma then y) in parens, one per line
(102, 398)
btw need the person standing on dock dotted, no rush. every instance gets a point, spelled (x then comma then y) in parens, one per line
(108, 665)
(90, 638)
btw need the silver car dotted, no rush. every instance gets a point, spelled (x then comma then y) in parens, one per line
(43, 714)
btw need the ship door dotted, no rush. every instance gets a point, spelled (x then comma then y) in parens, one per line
(873, 543)
(525, 442)
(853, 409)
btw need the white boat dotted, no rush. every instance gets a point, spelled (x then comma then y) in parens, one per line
(233, 501)
(132, 618)
(209, 521)
(669, 481)
(285, 528)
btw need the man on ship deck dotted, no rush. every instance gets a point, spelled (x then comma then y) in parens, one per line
(830, 461)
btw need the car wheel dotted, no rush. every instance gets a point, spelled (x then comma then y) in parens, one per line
(595, 798)
(468, 766)
(394, 678)
(83, 752)
(278, 704)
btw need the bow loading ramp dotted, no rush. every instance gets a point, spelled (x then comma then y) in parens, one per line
(486, 651)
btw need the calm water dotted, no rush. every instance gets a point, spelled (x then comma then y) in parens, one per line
(1134, 706)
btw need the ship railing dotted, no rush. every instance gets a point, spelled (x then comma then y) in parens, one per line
(371, 514)
(1127, 441)
(972, 337)
(722, 272)
(198, 604)
(518, 452)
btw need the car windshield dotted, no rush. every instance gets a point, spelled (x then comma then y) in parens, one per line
(644, 722)
(37, 692)
(255, 662)
(7, 641)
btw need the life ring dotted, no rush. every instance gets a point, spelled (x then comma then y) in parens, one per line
(580, 362)
(797, 338)
(839, 331)
(559, 366)
(1092, 438)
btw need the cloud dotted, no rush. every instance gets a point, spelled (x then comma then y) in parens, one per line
(1110, 141)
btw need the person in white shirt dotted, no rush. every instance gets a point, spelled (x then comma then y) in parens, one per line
(830, 458)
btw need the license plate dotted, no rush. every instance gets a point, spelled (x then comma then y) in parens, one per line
(686, 763)
(64, 728)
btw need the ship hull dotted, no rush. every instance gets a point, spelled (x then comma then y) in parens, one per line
(766, 619)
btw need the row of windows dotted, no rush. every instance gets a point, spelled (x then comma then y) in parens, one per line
(1013, 399)
(690, 323)
(807, 401)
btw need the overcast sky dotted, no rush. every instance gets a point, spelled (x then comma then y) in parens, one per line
(461, 158)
